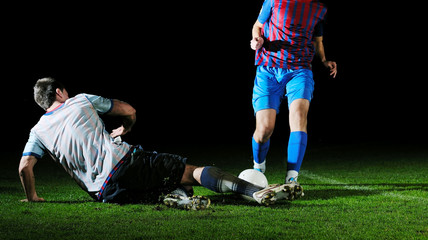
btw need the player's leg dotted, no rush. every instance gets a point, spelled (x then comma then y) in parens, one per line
(299, 93)
(267, 96)
(298, 115)
(219, 181)
(187, 179)
(265, 124)
(298, 137)
(212, 178)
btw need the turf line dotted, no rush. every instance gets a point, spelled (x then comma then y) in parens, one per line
(320, 178)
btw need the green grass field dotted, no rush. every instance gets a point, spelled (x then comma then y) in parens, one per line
(351, 192)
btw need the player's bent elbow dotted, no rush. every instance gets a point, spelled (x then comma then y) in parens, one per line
(132, 111)
(129, 110)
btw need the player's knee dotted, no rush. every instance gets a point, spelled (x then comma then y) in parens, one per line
(263, 133)
(188, 177)
(298, 120)
(196, 174)
(299, 110)
(299, 115)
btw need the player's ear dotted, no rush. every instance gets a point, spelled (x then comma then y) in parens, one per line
(58, 93)
(61, 95)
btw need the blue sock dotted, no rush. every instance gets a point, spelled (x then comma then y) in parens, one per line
(260, 151)
(296, 150)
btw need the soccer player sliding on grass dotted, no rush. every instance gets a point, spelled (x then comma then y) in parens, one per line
(286, 36)
(109, 170)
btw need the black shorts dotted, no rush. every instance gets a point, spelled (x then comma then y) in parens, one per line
(144, 176)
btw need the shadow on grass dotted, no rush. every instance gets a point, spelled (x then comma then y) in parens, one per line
(350, 190)
(326, 194)
(397, 186)
(69, 201)
(230, 199)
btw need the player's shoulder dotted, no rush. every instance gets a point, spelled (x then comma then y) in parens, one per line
(101, 104)
(85, 97)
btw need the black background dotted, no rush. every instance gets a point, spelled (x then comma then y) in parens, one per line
(188, 69)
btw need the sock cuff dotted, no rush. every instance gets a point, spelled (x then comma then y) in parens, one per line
(298, 137)
(260, 146)
(207, 180)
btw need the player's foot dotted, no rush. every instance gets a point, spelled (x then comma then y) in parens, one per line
(272, 193)
(261, 167)
(187, 203)
(298, 190)
(182, 191)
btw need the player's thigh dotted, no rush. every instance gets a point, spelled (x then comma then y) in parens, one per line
(298, 115)
(150, 170)
(265, 124)
(300, 86)
(267, 92)
(145, 176)
(266, 118)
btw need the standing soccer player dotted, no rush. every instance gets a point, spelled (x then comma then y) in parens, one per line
(286, 36)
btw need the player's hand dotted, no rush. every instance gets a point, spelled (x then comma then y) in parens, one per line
(332, 66)
(256, 43)
(120, 131)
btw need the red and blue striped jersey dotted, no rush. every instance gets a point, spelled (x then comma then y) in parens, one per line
(288, 27)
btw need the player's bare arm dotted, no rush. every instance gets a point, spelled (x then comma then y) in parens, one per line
(257, 41)
(128, 115)
(320, 52)
(27, 178)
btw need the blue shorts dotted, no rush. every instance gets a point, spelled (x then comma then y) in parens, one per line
(272, 85)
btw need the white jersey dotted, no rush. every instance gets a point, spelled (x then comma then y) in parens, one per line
(75, 136)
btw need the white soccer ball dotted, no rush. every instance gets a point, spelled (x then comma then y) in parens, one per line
(255, 177)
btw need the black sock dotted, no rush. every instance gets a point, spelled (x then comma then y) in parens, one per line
(216, 180)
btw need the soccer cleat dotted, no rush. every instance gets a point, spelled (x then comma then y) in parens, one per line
(187, 203)
(275, 192)
(181, 191)
(298, 190)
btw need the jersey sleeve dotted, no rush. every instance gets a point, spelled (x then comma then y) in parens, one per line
(34, 147)
(319, 29)
(266, 12)
(101, 104)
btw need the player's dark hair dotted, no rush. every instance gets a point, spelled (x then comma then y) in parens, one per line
(45, 91)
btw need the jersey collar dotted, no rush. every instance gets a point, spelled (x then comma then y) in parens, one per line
(53, 110)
